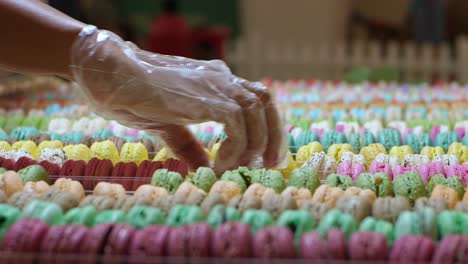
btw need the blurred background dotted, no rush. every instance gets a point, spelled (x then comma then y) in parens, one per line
(398, 40)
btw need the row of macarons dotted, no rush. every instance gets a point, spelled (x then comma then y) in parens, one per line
(235, 186)
(230, 241)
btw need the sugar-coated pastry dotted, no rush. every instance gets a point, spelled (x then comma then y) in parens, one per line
(112, 190)
(39, 187)
(10, 183)
(70, 186)
(166, 179)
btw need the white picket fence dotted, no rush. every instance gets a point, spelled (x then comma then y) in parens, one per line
(256, 58)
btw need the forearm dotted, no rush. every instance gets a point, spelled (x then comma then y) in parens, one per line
(36, 38)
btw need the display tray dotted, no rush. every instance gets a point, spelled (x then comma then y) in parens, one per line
(20, 258)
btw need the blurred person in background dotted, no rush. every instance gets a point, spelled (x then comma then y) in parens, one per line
(170, 33)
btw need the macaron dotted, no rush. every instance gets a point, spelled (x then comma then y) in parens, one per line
(24, 236)
(213, 199)
(232, 240)
(221, 214)
(341, 181)
(70, 241)
(110, 216)
(65, 200)
(85, 216)
(378, 226)
(389, 208)
(141, 216)
(73, 168)
(336, 219)
(145, 170)
(409, 185)
(118, 242)
(357, 206)
(274, 242)
(241, 176)
(21, 199)
(451, 249)
(190, 241)
(317, 209)
(125, 170)
(151, 241)
(92, 246)
(23, 163)
(276, 204)
(420, 222)
(203, 178)
(305, 177)
(245, 202)
(111, 190)
(452, 222)
(101, 203)
(11, 183)
(48, 212)
(257, 219)
(332, 246)
(270, 179)
(379, 183)
(439, 204)
(125, 203)
(298, 221)
(181, 215)
(367, 246)
(9, 215)
(33, 173)
(412, 249)
(97, 167)
(177, 166)
(51, 168)
(188, 194)
(167, 179)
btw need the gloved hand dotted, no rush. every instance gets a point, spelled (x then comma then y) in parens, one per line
(162, 94)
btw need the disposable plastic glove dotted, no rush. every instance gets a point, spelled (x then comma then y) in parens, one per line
(162, 94)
